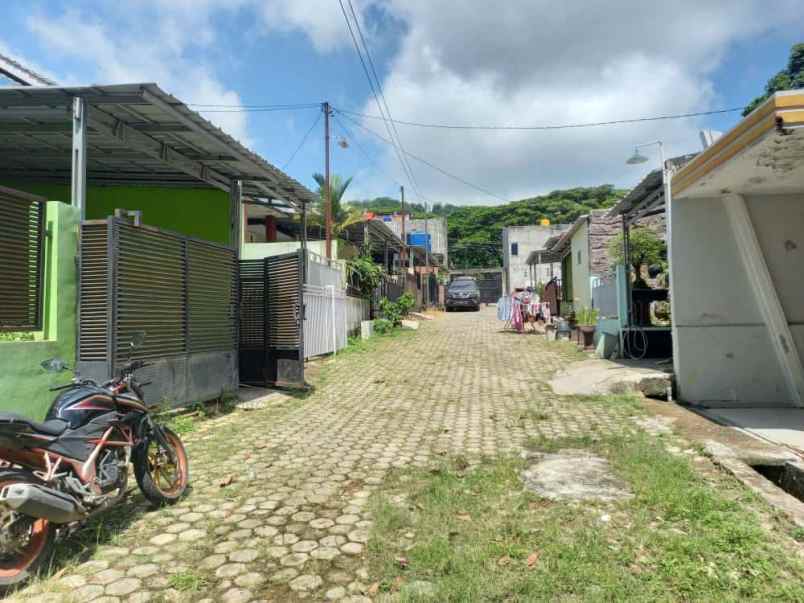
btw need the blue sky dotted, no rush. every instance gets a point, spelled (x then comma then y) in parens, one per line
(526, 62)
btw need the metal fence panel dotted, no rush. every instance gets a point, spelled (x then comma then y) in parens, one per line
(93, 297)
(22, 232)
(330, 317)
(180, 291)
(211, 298)
(150, 292)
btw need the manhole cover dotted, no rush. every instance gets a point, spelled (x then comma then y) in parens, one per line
(574, 475)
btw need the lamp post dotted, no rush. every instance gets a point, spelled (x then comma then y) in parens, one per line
(635, 159)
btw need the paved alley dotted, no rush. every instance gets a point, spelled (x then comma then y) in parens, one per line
(277, 510)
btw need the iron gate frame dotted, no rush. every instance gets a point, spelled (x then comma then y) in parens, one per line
(275, 365)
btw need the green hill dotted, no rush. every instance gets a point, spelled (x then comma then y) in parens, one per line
(475, 232)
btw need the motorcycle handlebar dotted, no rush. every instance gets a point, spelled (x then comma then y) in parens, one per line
(58, 387)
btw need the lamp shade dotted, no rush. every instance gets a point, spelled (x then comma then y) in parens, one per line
(637, 157)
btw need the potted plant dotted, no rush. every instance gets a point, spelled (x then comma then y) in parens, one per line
(587, 322)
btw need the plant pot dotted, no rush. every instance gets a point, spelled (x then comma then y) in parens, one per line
(587, 333)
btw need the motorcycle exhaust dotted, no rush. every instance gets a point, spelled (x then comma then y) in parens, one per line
(41, 502)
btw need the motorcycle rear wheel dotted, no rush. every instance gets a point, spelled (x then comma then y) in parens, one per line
(20, 561)
(162, 482)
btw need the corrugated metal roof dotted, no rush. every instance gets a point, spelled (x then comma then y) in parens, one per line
(137, 134)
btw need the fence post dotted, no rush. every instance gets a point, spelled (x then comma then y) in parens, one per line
(332, 310)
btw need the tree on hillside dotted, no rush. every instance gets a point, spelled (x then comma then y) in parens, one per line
(342, 213)
(790, 78)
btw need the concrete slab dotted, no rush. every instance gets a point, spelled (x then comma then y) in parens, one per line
(782, 426)
(410, 324)
(254, 398)
(574, 475)
(596, 377)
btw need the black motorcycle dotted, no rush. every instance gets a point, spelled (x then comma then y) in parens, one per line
(75, 463)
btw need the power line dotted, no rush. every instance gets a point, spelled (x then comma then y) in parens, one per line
(384, 101)
(550, 127)
(348, 134)
(376, 96)
(425, 162)
(303, 140)
(256, 109)
(258, 106)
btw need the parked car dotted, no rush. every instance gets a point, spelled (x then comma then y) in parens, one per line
(463, 292)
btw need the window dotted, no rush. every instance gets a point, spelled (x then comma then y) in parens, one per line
(514, 248)
(579, 257)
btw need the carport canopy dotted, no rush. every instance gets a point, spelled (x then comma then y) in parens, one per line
(127, 134)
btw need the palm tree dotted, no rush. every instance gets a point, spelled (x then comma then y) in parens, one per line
(342, 214)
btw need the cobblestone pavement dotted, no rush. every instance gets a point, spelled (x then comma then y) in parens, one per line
(293, 522)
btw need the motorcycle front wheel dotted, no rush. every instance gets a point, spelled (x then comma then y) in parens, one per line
(25, 542)
(163, 481)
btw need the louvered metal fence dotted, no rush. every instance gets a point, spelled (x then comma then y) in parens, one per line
(181, 292)
(271, 309)
(22, 240)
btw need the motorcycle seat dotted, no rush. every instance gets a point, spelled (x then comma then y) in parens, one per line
(54, 427)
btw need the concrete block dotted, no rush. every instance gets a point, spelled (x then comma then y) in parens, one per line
(410, 324)
(366, 329)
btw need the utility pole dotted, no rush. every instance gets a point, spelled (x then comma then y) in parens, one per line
(427, 251)
(328, 188)
(404, 240)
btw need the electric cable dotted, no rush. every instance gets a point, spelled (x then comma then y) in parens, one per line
(301, 144)
(548, 126)
(375, 95)
(426, 162)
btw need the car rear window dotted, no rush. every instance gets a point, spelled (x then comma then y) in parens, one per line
(463, 285)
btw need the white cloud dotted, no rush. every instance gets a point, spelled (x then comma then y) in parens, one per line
(529, 62)
(320, 20)
(160, 42)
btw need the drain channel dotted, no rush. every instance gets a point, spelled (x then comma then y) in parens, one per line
(788, 476)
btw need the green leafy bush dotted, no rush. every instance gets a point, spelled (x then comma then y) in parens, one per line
(394, 312)
(383, 326)
(367, 274)
(391, 312)
(406, 302)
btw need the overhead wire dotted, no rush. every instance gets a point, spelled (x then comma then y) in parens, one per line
(548, 126)
(303, 140)
(397, 148)
(384, 101)
(353, 139)
(425, 161)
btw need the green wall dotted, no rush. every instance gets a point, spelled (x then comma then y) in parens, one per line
(197, 212)
(23, 383)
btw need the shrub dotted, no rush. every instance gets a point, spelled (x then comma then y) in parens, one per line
(405, 302)
(367, 274)
(391, 312)
(383, 326)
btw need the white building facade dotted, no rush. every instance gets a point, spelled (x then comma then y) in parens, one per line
(518, 242)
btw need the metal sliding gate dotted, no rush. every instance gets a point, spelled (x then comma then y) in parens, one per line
(271, 315)
(182, 292)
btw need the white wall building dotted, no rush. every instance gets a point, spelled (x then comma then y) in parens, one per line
(518, 242)
(736, 224)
